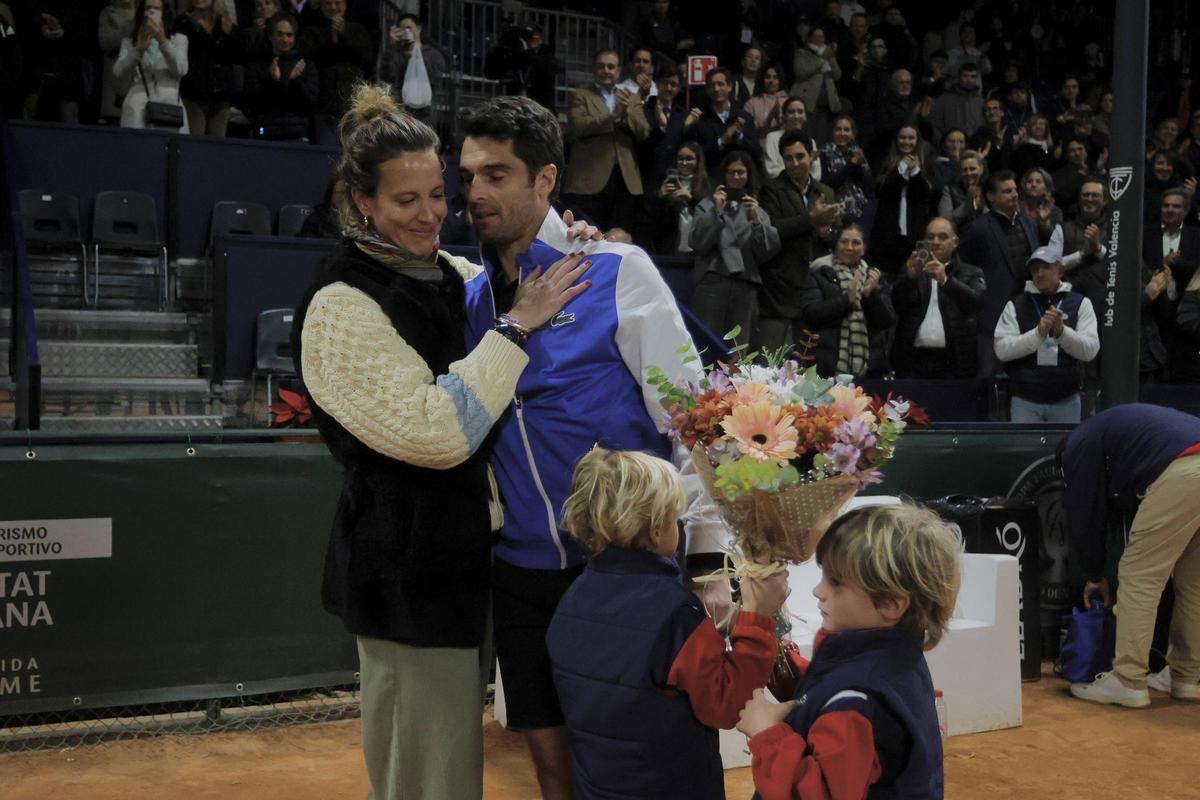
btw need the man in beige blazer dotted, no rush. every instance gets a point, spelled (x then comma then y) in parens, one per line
(605, 121)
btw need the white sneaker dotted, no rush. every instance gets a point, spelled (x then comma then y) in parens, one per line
(1107, 688)
(1161, 682)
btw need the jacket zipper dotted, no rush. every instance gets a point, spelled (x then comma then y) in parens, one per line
(537, 481)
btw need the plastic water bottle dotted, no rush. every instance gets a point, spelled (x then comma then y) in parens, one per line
(939, 703)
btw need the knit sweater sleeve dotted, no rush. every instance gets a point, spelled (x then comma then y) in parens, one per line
(363, 374)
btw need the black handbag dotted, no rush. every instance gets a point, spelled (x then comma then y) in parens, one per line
(163, 115)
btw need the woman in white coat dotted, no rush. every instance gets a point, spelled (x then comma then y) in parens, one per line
(151, 63)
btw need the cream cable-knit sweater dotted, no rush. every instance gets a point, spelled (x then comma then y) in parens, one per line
(363, 374)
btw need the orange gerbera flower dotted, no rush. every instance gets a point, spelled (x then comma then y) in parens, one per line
(762, 431)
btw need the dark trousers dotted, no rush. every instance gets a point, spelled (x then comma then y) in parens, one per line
(926, 362)
(722, 303)
(612, 207)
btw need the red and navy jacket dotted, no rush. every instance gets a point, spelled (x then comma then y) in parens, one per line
(644, 679)
(865, 726)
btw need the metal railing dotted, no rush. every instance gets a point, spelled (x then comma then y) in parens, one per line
(468, 30)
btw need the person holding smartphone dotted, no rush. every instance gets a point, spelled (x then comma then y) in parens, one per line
(152, 62)
(416, 86)
(672, 207)
(937, 302)
(731, 235)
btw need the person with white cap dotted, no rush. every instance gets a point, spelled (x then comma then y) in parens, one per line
(1044, 337)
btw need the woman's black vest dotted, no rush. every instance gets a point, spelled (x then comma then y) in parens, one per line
(409, 553)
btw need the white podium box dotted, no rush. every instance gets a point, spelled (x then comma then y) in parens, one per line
(977, 664)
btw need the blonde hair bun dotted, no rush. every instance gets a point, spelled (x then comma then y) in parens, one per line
(374, 129)
(370, 102)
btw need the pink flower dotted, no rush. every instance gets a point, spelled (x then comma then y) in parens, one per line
(849, 401)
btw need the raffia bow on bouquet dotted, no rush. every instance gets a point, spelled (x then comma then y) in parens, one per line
(780, 450)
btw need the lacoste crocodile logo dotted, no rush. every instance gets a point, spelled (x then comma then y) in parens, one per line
(561, 318)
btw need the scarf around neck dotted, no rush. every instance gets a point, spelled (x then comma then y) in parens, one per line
(854, 344)
(391, 255)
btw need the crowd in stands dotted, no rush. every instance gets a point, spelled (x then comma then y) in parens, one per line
(896, 187)
(269, 69)
(932, 202)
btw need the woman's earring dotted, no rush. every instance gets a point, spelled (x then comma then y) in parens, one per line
(366, 221)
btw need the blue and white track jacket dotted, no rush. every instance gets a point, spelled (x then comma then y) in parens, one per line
(585, 385)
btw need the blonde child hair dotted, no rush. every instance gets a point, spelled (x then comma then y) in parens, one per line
(617, 497)
(897, 551)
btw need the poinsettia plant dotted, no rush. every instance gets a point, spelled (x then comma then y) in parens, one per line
(779, 424)
(291, 410)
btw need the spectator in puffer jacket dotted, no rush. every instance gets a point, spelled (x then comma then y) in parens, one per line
(642, 672)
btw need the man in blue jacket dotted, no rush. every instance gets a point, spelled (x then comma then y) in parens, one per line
(1124, 455)
(585, 385)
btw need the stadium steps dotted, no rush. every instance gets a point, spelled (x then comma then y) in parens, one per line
(117, 371)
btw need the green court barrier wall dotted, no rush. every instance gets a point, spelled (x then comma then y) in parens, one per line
(145, 571)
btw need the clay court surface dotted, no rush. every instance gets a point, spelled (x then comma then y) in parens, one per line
(1067, 749)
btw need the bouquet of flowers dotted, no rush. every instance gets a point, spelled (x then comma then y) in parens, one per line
(780, 449)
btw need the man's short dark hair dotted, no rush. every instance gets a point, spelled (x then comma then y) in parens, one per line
(728, 73)
(970, 66)
(793, 136)
(638, 48)
(282, 16)
(667, 70)
(532, 129)
(412, 16)
(939, 54)
(996, 178)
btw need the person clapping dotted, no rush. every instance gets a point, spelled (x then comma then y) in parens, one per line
(731, 236)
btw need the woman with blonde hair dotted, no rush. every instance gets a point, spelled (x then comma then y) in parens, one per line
(1037, 202)
(405, 408)
(962, 200)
